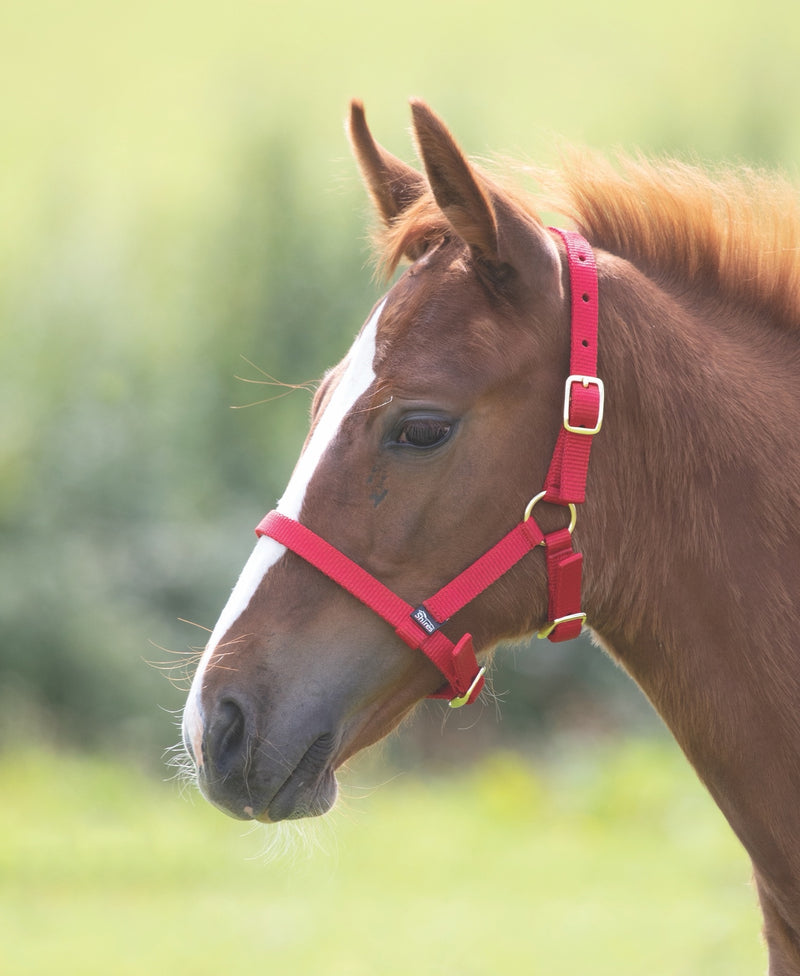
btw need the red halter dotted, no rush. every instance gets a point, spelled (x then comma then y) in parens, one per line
(565, 484)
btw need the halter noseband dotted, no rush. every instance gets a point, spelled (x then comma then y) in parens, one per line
(565, 484)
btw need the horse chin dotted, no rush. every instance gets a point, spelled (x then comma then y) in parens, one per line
(298, 799)
(309, 789)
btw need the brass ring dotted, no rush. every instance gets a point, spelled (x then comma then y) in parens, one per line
(573, 512)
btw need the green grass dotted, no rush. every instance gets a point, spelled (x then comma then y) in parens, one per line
(610, 864)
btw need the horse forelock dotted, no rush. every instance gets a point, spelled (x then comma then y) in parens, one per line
(416, 230)
(730, 232)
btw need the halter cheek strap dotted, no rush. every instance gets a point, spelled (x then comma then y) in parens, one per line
(420, 626)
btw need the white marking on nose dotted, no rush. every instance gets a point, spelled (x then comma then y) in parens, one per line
(356, 379)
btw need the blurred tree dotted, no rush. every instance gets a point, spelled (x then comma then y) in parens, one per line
(125, 474)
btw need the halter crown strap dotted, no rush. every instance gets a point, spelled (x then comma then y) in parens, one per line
(583, 392)
(420, 626)
(584, 398)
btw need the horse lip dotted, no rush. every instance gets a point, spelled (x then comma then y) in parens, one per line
(309, 790)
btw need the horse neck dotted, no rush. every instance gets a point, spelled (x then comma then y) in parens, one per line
(698, 462)
(691, 532)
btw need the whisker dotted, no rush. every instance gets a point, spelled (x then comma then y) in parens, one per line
(191, 653)
(260, 403)
(268, 749)
(225, 649)
(176, 671)
(269, 380)
(494, 697)
(290, 840)
(177, 759)
(355, 791)
(377, 406)
(192, 623)
(232, 643)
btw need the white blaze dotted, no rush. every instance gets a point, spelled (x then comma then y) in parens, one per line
(356, 379)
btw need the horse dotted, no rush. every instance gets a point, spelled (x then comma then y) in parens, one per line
(547, 430)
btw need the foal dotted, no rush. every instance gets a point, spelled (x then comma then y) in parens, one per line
(429, 446)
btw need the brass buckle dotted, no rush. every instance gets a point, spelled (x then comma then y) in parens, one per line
(548, 629)
(460, 700)
(585, 381)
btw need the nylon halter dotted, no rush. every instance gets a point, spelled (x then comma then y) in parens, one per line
(565, 484)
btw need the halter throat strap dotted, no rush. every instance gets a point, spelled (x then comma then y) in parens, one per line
(565, 484)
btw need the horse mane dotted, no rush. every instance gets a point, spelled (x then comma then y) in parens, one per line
(731, 233)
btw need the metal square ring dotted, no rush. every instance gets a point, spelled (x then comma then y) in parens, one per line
(585, 381)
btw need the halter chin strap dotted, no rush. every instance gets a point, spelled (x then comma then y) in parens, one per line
(565, 484)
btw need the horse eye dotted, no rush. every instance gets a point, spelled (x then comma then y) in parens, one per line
(424, 432)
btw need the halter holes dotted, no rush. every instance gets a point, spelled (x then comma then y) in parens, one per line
(585, 297)
(585, 343)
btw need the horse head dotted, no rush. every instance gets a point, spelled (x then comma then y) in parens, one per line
(426, 442)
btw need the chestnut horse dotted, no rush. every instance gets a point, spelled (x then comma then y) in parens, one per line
(435, 434)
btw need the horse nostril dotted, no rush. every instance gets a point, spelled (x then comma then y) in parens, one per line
(227, 737)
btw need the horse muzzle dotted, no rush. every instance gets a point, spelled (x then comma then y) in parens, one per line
(267, 777)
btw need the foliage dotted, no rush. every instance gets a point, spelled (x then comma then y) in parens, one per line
(611, 863)
(123, 446)
(177, 196)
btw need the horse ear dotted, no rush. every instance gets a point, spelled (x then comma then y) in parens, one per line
(500, 235)
(455, 187)
(393, 185)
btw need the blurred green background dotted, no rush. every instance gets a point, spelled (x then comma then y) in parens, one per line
(178, 208)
